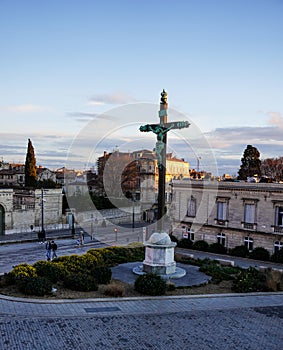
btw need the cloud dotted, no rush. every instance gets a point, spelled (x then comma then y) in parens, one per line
(227, 137)
(113, 99)
(26, 108)
(276, 119)
(82, 116)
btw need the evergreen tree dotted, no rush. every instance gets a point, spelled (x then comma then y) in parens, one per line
(30, 167)
(251, 163)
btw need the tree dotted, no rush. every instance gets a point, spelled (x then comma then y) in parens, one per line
(251, 163)
(30, 167)
(273, 168)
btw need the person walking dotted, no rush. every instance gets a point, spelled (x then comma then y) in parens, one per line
(53, 250)
(48, 248)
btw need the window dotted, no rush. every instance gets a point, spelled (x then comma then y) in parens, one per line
(249, 213)
(249, 242)
(277, 246)
(279, 216)
(221, 238)
(191, 234)
(222, 212)
(191, 211)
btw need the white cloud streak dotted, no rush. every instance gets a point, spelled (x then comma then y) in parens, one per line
(26, 108)
(113, 99)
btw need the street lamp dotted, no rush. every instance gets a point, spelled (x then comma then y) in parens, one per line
(198, 159)
(133, 215)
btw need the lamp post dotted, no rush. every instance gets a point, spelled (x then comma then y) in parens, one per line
(198, 159)
(133, 214)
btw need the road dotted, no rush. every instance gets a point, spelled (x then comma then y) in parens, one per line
(31, 251)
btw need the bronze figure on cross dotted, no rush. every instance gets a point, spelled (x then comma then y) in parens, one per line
(161, 130)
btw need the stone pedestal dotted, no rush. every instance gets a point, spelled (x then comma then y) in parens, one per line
(159, 255)
(159, 258)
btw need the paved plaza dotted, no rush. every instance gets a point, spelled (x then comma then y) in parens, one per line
(192, 322)
(235, 321)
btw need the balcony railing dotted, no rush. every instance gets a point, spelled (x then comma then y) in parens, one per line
(221, 222)
(249, 226)
(278, 229)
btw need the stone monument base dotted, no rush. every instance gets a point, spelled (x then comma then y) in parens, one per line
(159, 257)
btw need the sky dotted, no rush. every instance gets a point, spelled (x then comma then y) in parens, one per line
(79, 77)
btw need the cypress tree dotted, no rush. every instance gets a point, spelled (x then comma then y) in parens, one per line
(30, 167)
(251, 163)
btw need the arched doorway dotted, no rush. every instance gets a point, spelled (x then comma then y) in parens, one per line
(2, 220)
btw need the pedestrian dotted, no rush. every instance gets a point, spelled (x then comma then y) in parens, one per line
(48, 248)
(53, 250)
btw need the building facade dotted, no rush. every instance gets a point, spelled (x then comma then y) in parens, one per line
(21, 210)
(230, 213)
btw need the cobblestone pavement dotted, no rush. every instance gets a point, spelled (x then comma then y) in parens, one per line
(248, 322)
(191, 322)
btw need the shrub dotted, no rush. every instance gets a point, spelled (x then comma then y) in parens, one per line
(112, 256)
(274, 279)
(260, 253)
(250, 280)
(217, 272)
(170, 286)
(150, 284)
(201, 245)
(217, 248)
(185, 243)
(49, 270)
(174, 238)
(80, 282)
(79, 263)
(96, 253)
(114, 290)
(102, 274)
(35, 286)
(20, 272)
(240, 250)
(277, 256)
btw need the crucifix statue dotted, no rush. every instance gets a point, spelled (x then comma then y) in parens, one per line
(161, 130)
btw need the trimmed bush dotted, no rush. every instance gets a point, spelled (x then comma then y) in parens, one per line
(21, 272)
(115, 255)
(217, 272)
(185, 243)
(170, 286)
(49, 270)
(80, 282)
(260, 253)
(150, 284)
(217, 248)
(102, 274)
(250, 280)
(38, 286)
(277, 256)
(79, 263)
(240, 251)
(201, 245)
(174, 238)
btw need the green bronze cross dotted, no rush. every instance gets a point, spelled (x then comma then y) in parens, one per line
(161, 130)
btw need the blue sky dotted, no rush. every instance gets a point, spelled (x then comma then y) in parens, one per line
(64, 62)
